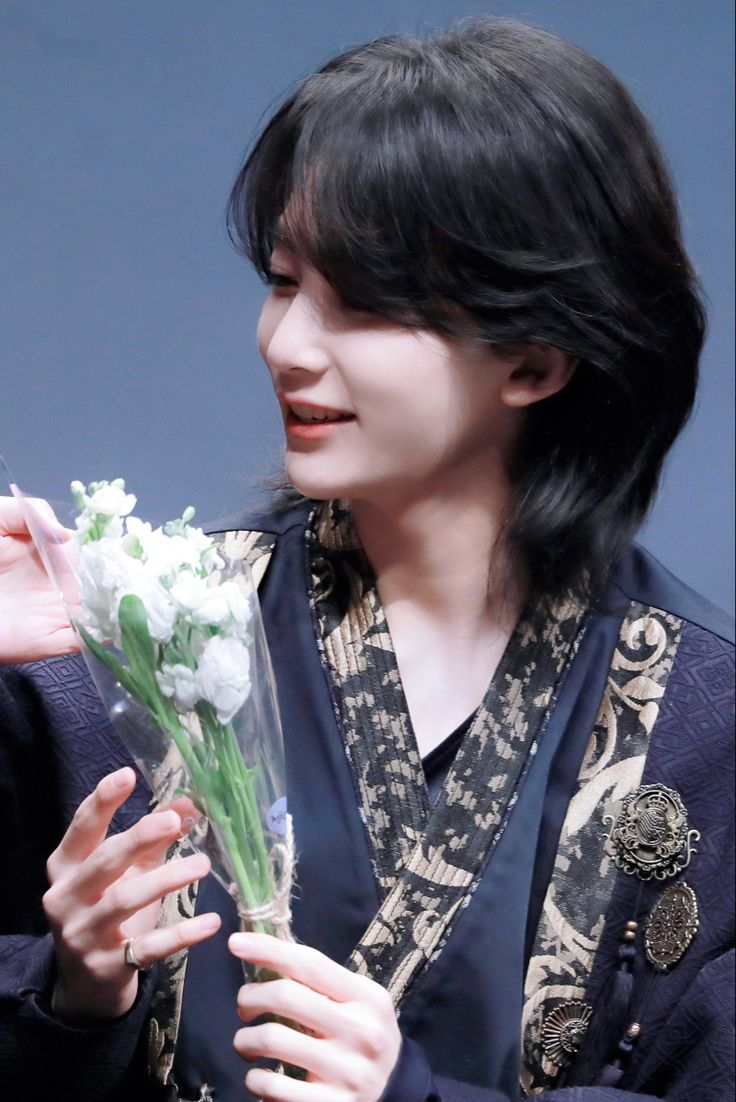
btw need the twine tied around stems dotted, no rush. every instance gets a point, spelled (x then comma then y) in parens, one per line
(277, 911)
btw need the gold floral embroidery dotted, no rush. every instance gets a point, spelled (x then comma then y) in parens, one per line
(572, 919)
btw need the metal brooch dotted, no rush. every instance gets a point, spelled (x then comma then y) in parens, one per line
(672, 924)
(563, 1030)
(650, 837)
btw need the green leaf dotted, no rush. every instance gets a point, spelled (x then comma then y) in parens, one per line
(139, 647)
(119, 671)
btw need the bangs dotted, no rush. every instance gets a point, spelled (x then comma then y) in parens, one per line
(375, 182)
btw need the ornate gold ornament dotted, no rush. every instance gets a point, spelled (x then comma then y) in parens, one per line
(563, 1030)
(672, 924)
(650, 838)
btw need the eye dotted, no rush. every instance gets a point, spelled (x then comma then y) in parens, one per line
(279, 281)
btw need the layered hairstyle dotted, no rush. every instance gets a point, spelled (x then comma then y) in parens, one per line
(497, 182)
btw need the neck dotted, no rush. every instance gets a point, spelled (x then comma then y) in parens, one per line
(444, 554)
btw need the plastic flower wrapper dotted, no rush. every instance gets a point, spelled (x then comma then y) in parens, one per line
(172, 634)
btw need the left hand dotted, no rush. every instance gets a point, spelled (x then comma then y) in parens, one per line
(33, 622)
(353, 1040)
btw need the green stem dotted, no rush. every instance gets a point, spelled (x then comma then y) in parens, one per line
(221, 780)
(218, 815)
(230, 810)
(242, 779)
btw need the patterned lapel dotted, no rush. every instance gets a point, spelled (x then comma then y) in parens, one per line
(426, 862)
(577, 901)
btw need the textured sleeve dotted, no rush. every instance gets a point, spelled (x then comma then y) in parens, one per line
(55, 744)
(691, 1060)
(412, 1081)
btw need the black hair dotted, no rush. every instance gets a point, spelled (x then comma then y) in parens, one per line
(495, 181)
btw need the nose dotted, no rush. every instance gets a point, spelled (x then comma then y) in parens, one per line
(292, 336)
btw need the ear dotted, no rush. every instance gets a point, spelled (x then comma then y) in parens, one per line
(538, 373)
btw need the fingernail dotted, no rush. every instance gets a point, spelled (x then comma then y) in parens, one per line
(165, 821)
(240, 942)
(121, 779)
(209, 922)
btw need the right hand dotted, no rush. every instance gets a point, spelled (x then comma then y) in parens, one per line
(104, 890)
(33, 623)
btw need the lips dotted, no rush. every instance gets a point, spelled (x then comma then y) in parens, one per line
(309, 413)
(310, 421)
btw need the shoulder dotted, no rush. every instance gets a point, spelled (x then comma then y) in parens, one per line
(692, 741)
(272, 521)
(696, 713)
(640, 577)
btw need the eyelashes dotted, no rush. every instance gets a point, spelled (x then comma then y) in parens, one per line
(277, 279)
(333, 306)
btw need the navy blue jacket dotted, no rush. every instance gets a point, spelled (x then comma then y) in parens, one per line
(55, 744)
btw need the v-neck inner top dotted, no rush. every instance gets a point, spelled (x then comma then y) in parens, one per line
(437, 763)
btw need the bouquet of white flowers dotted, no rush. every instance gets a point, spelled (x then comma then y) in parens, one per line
(173, 637)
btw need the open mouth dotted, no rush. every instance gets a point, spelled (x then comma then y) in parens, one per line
(299, 413)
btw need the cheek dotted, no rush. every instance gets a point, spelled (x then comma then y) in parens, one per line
(394, 374)
(267, 324)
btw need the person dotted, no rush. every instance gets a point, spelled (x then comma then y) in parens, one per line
(506, 726)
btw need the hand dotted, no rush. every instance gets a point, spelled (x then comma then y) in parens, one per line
(353, 1040)
(105, 890)
(33, 623)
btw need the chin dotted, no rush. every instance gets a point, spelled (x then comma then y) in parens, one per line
(327, 482)
(310, 485)
(315, 494)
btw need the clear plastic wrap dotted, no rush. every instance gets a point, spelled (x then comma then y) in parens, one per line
(175, 644)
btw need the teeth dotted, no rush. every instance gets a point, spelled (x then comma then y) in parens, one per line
(310, 416)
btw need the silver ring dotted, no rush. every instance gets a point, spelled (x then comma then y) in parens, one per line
(130, 955)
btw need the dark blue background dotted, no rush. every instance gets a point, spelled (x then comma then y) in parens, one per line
(127, 328)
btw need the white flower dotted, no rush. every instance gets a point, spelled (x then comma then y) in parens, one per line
(107, 573)
(212, 559)
(113, 525)
(169, 569)
(111, 501)
(83, 523)
(166, 555)
(205, 604)
(223, 675)
(177, 682)
(206, 548)
(239, 604)
(161, 611)
(138, 532)
(102, 506)
(104, 570)
(210, 603)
